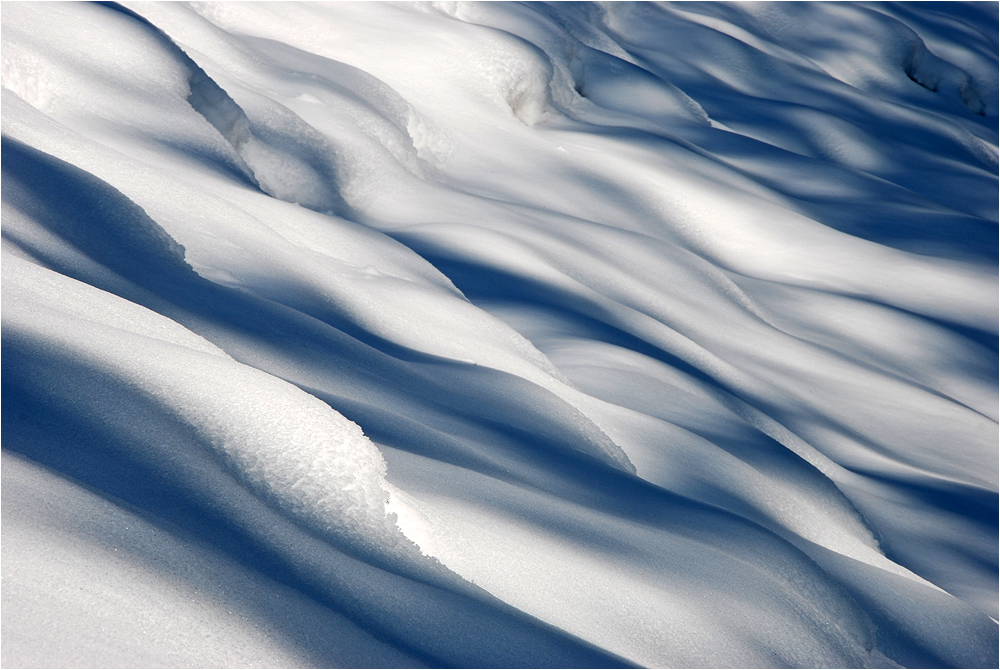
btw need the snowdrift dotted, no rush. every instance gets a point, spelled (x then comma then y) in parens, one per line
(517, 335)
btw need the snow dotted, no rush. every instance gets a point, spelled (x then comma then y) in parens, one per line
(492, 334)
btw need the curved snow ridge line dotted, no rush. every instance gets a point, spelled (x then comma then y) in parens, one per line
(918, 62)
(286, 445)
(560, 70)
(298, 100)
(592, 440)
(654, 328)
(853, 537)
(208, 99)
(933, 73)
(278, 173)
(22, 74)
(572, 291)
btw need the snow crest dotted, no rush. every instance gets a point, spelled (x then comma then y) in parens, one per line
(289, 447)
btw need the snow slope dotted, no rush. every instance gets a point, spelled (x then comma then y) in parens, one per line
(572, 335)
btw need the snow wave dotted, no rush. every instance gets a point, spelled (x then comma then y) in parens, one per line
(546, 335)
(285, 444)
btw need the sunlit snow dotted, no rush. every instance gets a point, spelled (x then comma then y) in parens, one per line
(494, 334)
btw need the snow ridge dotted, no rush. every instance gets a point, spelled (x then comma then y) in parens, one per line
(494, 334)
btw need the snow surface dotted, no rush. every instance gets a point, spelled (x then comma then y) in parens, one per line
(574, 335)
